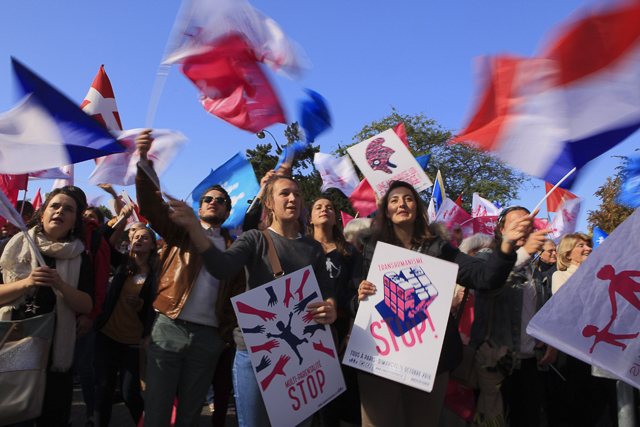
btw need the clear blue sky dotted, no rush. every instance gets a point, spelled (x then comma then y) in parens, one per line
(413, 55)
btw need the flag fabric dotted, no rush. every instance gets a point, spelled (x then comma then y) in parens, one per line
(556, 198)
(451, 214)
(236, 176)
(572, 103)
(565, 220)
(336, 173)
(289, 152)
(363, 199)
(346, 218)
(7, 188)
(47, 130)
(629, 195)
(482, 207)
(438, 194)
(94, 199)
(37, 200)
(595, 315)
(52, 173)
(9, 212)
(69, 172)
(459, 200)
(100, 102)
(598, 237)
(401, 131)
(127, 201)
(19, 182)
(224, 42)
(121, 169)
(431, 211)
(314, 116)
(423, 161)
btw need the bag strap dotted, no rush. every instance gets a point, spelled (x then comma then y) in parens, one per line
(273, 256)
(6, 336)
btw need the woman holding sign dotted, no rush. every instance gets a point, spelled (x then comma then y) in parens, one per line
(402, 221)
(282, 203)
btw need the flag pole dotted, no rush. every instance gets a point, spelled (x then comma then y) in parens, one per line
(553, 189)
(24, 199)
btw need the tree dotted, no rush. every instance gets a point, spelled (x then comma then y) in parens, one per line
(609, 215)
(462, 168)
(262, 160)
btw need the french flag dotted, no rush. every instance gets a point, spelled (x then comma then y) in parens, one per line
(47, 130)
(580, 98)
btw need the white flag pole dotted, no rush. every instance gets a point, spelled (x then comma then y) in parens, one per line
(553, 189)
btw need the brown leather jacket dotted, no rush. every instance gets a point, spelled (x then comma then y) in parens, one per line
(179, 262)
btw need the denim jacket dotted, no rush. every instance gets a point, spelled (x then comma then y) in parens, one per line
(507, 311)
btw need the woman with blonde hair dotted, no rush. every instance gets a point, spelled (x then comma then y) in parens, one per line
(573, 249)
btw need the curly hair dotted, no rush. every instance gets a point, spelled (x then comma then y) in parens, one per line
(78, 196)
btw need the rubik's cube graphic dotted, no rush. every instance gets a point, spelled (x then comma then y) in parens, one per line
(408, 292)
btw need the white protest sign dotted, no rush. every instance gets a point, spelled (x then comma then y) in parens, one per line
(399, 330)
(293, 357)
(384, 158)
(595, 315)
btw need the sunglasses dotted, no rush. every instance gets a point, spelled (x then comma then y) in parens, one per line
(209, 199)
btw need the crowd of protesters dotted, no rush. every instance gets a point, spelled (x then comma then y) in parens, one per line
(159, 317)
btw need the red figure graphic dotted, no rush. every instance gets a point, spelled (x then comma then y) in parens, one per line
(288, 296)
(277, 370)
(307, 317)
(247, 309)
(605, 336)
(320, 347)
(268, 346)
(623, 284)
(304, 280)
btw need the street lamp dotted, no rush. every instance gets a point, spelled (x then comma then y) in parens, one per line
(261, 135)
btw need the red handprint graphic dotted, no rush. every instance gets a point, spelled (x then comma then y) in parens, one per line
(288, 296)
(305, 276)
(318, 346)
(268, 346)
(247, 309)
(277, 370)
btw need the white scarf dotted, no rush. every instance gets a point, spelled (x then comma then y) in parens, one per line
(17, 262)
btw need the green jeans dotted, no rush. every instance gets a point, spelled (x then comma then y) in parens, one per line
(181, 359)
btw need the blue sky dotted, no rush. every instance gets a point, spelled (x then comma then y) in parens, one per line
(368, 56)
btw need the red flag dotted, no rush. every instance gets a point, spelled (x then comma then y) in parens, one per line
(346, 218)
(557, 197)
(459, 200)
(233, 86)
(37, 200)
(100, 102)
(18, 182)
(402, 133)
(8, 187)
(363, 199)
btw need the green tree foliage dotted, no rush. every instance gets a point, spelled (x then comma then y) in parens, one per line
(106, 211)
(463, 169)
(264, 158)
(609, 215)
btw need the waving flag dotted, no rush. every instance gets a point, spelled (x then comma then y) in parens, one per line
(630, 188)
(363, 199)
(37, 200)
(451, 214)
(47, 130)
(401, 131)
(431, 211)
(598, 237)
(121, 169)
(100, 102)
(52, 173)
(223, 45)
(236, 176)
(595, 316)
(565, 220)
(557, 197)
(69, 174)
(314, 116)
(482, 207)
(549, 114)
(336, 173)
(438, 192)
(346, 218)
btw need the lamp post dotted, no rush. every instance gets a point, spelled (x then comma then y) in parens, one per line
(261, 135)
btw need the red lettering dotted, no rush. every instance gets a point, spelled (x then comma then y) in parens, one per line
(304, 397)
(420, 328)
(313, 390)
(296, 405)
(386, 344)
(413, 339)
(634, 371)
(393, 337)
(320, 377)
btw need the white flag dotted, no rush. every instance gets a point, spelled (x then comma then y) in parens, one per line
(120, 169)
(68, 171)
(336, 173)
(595, 315)
(126, 200)
(565, 220)
(483, 207)
(431, 211)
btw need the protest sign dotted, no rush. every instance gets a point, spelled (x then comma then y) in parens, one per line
(293, 357)
(125, 200)
(399, 330)
(384, 158)
(595, 315)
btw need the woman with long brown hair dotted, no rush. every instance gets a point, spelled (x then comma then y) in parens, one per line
(402, 221)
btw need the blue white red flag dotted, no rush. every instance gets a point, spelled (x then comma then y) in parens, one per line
(48, 130)
(438, 194)
(595, 315)
(238, 178)
(629, 195)
(598, 237)
(548, 114)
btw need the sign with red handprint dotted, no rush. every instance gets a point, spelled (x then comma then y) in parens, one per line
(293, 357)
(595, 315)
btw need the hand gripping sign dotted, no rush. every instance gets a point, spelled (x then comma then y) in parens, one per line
(294, 358)
(399, 330)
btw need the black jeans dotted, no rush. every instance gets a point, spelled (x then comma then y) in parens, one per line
(111, 356)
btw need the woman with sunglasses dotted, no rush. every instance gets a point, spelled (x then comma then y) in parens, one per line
(282, 203)
(402, 221)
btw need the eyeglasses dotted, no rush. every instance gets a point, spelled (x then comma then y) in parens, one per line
(209, 199)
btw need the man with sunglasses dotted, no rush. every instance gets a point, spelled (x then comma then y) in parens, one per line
(185, 343)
